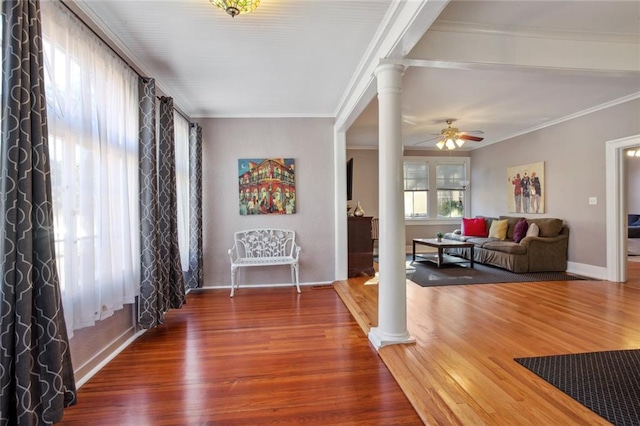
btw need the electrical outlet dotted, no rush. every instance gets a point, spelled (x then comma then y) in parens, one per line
(593, 201)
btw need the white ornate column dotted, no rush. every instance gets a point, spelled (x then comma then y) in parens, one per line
(392, 288)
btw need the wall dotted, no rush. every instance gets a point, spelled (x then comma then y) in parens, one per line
(574, 156)
(633, 184)
(310, 143)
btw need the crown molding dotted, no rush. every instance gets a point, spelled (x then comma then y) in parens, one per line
(578, 114)
(505, 30)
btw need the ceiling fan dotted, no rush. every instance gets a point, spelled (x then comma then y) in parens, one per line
(452, 138)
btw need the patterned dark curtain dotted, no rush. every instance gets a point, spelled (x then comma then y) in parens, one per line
(195, 206)
(36, 375)
(162, 284)
(171, 271)
(150, 302)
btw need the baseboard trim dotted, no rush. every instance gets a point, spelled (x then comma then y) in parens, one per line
(113, 350)
(597, 272)
(228, 286)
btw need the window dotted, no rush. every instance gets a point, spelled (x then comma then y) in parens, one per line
(416, 189)
(435, 188)
(92, 111)
(451, 185)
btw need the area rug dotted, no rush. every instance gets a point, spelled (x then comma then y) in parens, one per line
(608, 383)
(427, 274)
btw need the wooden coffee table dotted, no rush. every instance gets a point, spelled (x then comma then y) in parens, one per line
(441, 258)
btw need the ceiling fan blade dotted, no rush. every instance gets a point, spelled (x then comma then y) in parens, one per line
(477, 132)
(471, 138)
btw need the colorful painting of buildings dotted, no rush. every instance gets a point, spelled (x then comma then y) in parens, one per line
(267, 186)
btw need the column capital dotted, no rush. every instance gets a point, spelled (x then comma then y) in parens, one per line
(389, 78)
(388, 68)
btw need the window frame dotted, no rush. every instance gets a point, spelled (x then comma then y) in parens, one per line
(432, 192)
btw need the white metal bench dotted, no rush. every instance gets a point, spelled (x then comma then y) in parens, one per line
(264, 247)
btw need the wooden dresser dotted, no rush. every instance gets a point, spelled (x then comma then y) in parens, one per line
(360, 247)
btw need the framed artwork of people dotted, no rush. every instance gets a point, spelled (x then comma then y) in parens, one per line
(525, 188)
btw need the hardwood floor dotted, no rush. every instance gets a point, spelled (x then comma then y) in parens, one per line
(461, 368)
(270, 356)
(267, 356)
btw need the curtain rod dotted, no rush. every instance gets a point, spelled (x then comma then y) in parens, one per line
(162, 98)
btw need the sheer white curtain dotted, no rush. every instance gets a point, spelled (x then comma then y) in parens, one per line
(92, 107)
(181, 128)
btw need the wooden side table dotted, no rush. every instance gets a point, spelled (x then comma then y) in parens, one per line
(360, 247)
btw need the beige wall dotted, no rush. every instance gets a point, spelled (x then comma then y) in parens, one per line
(574, 156)
(310, 143)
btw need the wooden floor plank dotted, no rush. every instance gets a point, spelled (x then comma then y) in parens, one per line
(267, 356)
(461, 368)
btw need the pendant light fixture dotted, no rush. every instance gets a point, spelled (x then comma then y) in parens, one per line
(236, 7)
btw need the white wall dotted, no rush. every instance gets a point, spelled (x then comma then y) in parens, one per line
(310, 143)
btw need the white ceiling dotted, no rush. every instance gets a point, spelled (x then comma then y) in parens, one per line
(286, 59)
(503, 67)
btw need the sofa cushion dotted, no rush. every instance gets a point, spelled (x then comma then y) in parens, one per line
(549, 227)
(488, 220)
(498, 229)
(520, 230)
(533, 230)
(480, 242)
(474, 227)
(513, 221)
(509, 247)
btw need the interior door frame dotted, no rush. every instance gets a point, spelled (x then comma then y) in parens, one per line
(616, 179)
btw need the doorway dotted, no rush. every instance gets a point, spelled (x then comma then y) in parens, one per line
(617, 207)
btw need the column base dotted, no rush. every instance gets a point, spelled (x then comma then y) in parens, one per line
(379, 338)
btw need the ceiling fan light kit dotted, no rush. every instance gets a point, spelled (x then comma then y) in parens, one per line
(452, 138)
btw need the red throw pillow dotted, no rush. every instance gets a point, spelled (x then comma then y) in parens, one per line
(520, 230)
(474, 227)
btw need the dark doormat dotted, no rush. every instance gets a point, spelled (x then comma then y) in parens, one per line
(608, 383)
(427, 274)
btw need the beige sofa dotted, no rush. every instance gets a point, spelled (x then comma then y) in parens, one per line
(545, 253)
